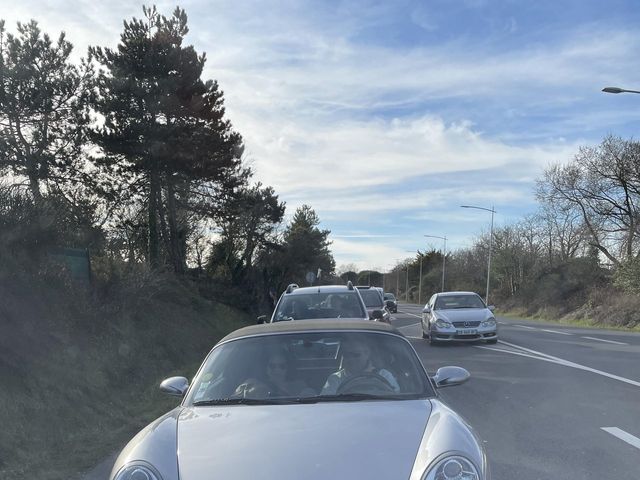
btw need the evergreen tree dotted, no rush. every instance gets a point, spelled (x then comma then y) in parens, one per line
(306, 247)
(43, 100)
(164, 127)
(248, 226)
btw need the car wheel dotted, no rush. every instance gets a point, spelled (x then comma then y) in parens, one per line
(493, 340)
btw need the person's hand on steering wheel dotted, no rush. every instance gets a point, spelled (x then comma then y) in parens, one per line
(367, 382)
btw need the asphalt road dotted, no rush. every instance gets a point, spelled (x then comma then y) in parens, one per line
(549, 401)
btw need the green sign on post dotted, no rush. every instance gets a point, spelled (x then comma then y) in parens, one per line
(77, 262)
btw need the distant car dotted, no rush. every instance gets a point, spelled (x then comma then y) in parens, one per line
(374, 302)
(458, 316)
(312, 400)
(391, 302)
(324, 301)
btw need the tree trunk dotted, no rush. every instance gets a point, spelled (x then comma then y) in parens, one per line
(177, 255)
(154, 241)
(34, 181)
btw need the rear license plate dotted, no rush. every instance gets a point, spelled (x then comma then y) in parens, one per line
(467, 331)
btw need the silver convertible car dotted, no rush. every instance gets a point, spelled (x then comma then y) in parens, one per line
(458, 316)
(317, 400)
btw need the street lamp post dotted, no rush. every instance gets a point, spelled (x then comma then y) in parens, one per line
(486, 298)
(618, 90)
(444, 255)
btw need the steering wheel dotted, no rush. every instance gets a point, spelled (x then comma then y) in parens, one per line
(364, 383)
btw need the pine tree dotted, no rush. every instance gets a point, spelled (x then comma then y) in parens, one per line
(43, 100)
(306, 246)
(164, 127)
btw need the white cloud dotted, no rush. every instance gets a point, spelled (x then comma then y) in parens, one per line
(378, 255)
(305, 158)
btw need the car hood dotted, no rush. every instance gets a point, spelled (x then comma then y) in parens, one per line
(368, 439)
(464, 314)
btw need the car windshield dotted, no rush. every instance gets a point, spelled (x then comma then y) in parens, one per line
(319, 305)
(389, 296)
(459, 301)
(310, 367)
(371, 298)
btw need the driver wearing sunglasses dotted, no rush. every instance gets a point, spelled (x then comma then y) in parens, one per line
(357, 362)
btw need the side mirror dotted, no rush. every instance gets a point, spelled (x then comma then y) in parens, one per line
(377, 315)
(262, 319)
(176, 386)
(491, 307)
(450, 376)
(426, 309)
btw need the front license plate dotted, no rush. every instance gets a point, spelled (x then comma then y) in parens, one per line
(467, 331)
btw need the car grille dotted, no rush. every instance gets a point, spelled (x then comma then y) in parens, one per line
(466, 324)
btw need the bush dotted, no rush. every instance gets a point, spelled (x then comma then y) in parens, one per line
(561, 289)
(28, 232)
(627, 276)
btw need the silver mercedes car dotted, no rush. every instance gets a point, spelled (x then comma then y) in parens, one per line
(458, 316)
(326, 399)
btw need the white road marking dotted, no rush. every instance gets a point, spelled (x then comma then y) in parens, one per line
(555, 331)
(567, 363)
(502, 350)
(622, 435)
(407, 326)
(412, 314)
(607, 341)
(542, 329)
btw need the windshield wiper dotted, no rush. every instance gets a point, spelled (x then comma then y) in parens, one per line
(352, 397)
(239, 401)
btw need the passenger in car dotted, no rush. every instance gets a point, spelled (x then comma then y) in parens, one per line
(278, 379)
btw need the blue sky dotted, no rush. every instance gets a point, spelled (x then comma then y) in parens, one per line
(385, 116)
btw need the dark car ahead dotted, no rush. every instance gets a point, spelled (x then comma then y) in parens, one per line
(372, 297)
(391, 302)
(323, 301)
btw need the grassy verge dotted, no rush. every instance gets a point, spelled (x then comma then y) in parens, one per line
(80, 374)
(520, 314)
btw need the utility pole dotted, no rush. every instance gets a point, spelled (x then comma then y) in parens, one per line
(406, 290)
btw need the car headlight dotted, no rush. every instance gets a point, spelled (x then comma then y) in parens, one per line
(491, 322)
(452, 468)
(137, 471)
(443, 324)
